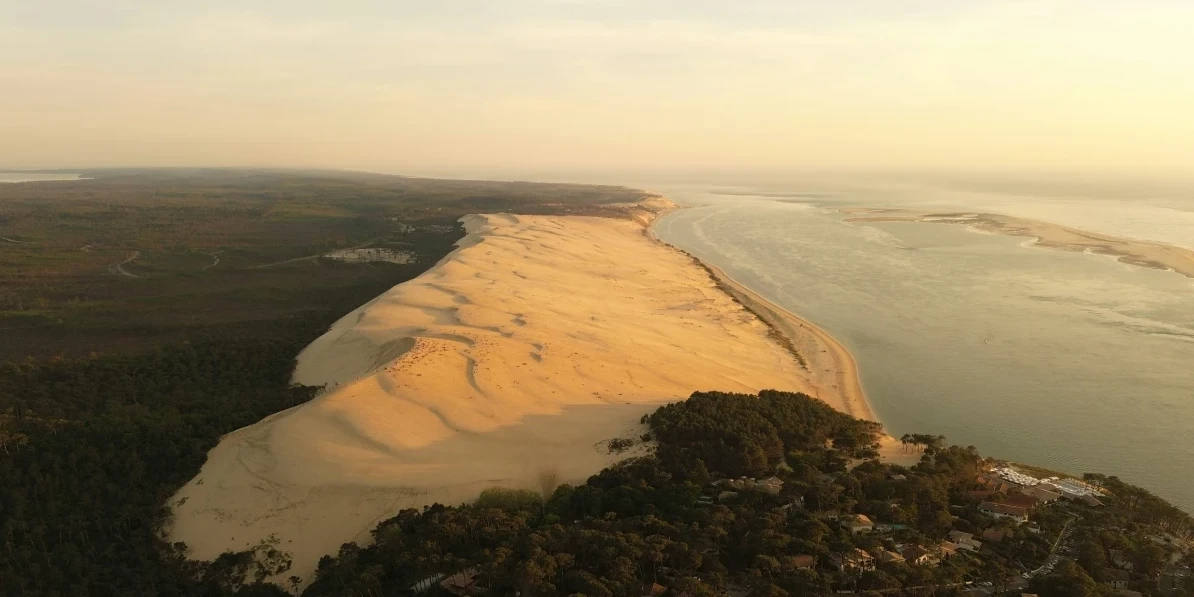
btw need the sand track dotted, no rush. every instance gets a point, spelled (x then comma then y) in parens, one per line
(536, 341)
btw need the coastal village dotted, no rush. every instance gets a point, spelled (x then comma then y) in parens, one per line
(1010, 500)
(1016, 511)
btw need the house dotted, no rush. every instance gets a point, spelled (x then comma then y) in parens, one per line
(947, 549)
(731, 483)
(885, 556)
(1022, 500)
(857, 523)
(653, 590)
(1005, 487)
(426, 584)
(965, 541)
(1120, 559)
(1004, 511)
(1170, 583)
(804, 562)
(726, 496)
(1092, 501)
(1127, 593)
(898, 477)
(771, 485)
(1044, 495)
(462, 583)
(857, 560)
(995, 535)
(1116, 579)
(915, 554)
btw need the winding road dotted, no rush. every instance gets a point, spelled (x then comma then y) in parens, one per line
(118, 268)
(215, 256)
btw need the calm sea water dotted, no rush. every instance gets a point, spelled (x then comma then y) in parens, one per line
(1065, 360)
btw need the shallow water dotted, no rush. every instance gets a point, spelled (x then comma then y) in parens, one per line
(1065, 360)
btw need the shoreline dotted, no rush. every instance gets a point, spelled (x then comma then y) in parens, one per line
(794, 334)
(789, 324)
(828, 365)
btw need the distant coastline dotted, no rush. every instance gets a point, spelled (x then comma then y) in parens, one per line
(1150, 254)
(12, 177)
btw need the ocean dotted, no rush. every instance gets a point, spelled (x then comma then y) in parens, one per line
(1065, 360)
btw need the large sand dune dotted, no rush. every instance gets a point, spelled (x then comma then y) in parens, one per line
(522, 353)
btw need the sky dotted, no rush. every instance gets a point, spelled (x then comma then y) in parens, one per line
(474, 87)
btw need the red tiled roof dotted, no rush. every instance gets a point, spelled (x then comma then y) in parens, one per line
(1005, 509)
(1021, 501)
(804, 561)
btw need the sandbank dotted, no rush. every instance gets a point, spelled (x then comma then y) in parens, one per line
(1148, 254)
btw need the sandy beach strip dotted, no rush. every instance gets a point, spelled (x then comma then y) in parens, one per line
(1141, 253)
(832, 370)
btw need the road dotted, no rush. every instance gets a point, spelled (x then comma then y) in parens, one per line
(215, 256)
(118, 268)
(1052, 559)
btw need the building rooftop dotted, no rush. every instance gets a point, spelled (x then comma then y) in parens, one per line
(1005, 509)
(1017, 477)
(804, 561)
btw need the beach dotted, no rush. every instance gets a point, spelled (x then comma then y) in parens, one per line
(513, 362)
(831, 369)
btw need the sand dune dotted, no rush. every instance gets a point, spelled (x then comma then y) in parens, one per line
(1142, 253)
(523, 352)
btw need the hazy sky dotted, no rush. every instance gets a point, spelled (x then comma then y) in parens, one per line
(439, 86)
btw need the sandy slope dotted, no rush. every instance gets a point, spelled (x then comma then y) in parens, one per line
(521, 354)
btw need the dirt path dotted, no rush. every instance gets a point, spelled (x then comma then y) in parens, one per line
(15, 242)
(118, 268)
(215, 256)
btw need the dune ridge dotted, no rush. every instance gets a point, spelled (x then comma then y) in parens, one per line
(517, 357)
